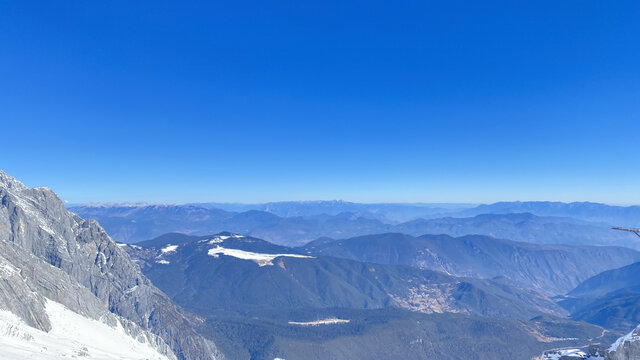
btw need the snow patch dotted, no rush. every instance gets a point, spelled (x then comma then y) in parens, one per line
(169, 249)
(6, 270)
(221, 238)
(259, 258)
(71, 336)
(329, 321)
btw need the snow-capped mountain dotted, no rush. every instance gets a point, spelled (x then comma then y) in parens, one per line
(59, 272)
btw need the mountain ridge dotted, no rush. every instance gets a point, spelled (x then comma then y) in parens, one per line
(316, 281)
(549, 268)
(135, 223)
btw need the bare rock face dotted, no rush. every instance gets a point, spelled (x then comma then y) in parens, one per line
(48, 252)
(627, 347)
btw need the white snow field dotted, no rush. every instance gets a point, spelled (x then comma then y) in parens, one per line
(169, 249)
(72, 336)
(221, 238)
(259, 258)
(329, 321)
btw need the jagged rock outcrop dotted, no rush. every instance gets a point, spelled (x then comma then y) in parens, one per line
(48, 252)
(627, 347)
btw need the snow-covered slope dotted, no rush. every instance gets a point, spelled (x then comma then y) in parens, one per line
(71, 336)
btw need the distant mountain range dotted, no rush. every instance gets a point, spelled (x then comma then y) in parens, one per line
(388, 213)
(588, 211)
(134, 223)
(401, 212)
(209, 274)
(549, 269)
(524, 227)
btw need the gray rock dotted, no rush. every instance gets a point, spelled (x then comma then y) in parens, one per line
(46, 251)
(627, 347)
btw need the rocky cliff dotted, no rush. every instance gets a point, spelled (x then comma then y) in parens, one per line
(48, 253)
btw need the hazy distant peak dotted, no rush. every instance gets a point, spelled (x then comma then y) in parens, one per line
(125, 204)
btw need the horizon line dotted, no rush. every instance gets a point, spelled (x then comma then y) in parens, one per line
(213, 203)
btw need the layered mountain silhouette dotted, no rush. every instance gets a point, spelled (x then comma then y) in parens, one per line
(587, 211)
(211, 283)
(549, 269)
(132, 223)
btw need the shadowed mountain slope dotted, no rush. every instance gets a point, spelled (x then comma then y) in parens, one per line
(227, 273)
(550, 269)
(611, 299)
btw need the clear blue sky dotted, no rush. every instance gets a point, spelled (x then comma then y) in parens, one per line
(456, 101)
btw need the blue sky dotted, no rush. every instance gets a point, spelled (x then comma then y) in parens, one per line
(425, 101)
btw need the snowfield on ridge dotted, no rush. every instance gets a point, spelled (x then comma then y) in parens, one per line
(259, 258)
